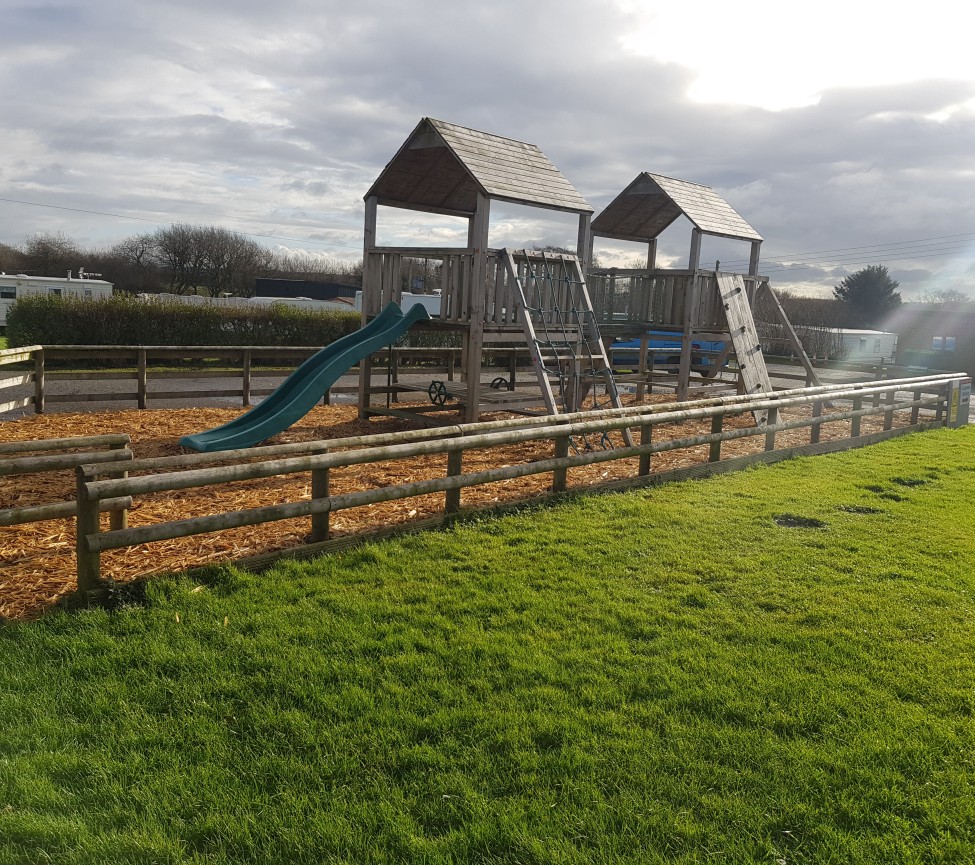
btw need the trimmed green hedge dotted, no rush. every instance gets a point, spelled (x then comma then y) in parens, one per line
(125, 320)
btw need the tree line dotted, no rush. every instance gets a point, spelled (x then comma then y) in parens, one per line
(180, 258)
(187, 259)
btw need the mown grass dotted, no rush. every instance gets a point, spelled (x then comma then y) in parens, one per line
(663, 676)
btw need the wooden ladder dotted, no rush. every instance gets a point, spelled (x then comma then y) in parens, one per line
(560, 328)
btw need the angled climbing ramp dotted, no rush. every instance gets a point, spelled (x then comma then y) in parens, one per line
(744, 336)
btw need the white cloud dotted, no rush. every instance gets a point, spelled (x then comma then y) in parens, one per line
(274, 119)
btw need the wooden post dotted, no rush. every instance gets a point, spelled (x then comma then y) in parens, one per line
(916, 410)
(879, 377)
(753, 258)
(39, 381)
(690, 308)
(119, 517)
(141, 385)
(641, 385)
(89, 563)
(855, 421)
(559, 476)
(455, 461)
(369, 275)
(245, 378)
(773, 419)
(646, 437)
(814, 428)
(716, 424)
(583, 242)
(475, 335)
(319, 490)
(889, 411)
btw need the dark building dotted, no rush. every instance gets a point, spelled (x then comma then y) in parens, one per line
(935, 336)
(311, 288)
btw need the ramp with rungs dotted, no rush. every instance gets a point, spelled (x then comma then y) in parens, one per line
(744, 336)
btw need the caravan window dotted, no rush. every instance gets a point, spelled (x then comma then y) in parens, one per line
(8, 292)
(876, 345)
(863, 343)
(949, 343)
(55, 291)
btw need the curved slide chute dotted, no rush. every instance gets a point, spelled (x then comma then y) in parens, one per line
(300, 392)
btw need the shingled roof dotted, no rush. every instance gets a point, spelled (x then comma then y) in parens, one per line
(652, 202)
(441, 167)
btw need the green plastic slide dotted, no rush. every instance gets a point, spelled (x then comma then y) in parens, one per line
(300, 392)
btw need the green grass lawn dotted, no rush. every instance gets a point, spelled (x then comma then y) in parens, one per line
(662, 676)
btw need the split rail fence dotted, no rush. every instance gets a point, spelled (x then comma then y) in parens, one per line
(916, 403)
(29, 377)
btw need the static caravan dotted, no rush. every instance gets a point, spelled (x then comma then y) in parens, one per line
(867, 344)
(14, 286)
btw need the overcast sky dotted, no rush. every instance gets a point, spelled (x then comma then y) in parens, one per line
(844, 137)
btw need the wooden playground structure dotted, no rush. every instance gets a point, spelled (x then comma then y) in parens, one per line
(555, 304)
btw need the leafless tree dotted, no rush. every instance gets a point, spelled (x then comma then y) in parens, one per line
(51, 254)
(11, 259)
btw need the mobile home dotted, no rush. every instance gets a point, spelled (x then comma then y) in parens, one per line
(14, 286)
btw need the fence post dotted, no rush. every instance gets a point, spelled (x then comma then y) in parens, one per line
(320, 519)
(816, 425)
(773, 419)
(889, 411)
(141, 384)
(915, 410)
(939, 414)
(455, 462)
(880, 377)
(560, 476)
(716, 424)
(245, 378)
(646, 437)
(39, 381)
(855, 421)
(88, 562)
(641, 385)
(119, 517)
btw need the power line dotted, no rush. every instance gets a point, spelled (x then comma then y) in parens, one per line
(158, 222)
(943, 245)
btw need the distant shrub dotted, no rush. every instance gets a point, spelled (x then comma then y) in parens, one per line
(126, 320)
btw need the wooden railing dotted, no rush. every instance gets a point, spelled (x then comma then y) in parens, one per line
(907, 398)
(28, 381)
(658, 297)
(449, 275)
(49, 455)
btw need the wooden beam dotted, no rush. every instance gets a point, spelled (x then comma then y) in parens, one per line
(790, 332)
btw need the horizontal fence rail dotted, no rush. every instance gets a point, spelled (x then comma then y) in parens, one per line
(929, 395)
(41, 380)
(12, 462)
(249, 363)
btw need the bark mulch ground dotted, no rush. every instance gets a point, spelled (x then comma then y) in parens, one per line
(37, 566)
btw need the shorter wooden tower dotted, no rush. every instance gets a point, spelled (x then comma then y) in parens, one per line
(695, 303)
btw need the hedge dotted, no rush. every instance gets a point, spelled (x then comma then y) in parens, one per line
(126, 320)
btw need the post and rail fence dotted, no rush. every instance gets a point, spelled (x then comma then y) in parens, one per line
(29, 376)
(917, 403)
